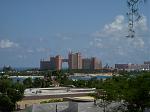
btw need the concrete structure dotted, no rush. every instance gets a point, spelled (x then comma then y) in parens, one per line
(56, 92)
(74, 61)
(64, 107)
(73, 106)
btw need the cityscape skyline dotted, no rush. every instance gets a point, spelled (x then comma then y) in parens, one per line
(74, 60)
(31, 30)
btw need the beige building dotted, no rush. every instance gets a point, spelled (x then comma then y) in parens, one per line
(91, 63)
(75, 61)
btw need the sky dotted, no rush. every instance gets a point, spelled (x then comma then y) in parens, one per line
(31, 30)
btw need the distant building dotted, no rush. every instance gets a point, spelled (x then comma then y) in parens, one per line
(138, 67)
(74, 61)
(86, 63)
(121, 66)
(133, 67)
(147, 62)
(45, 65)
(145, 67)
(52, 63)
(91, 63)
(55, 63)
(96, 64)
(58, 61)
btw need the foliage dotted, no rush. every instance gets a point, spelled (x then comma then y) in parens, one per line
(10, 93)
(38, 83)
(133, 90)
(53, 100)
(6, 105)
(28, 82)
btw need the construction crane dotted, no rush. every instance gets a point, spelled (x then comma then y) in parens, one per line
(133, 16)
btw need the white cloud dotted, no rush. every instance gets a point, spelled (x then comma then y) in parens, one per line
(139, 43)
(114, 33)
(119, 28)
(113, 29)
(41, 39)
(7, 44)
(116, 25)
(43, 49)
(30, 51)
(91, 43)
(21, 56)
(40, 49)
(141, 25)
(64, 36)
(113, 45)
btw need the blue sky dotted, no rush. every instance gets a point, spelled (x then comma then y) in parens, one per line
(35, 29)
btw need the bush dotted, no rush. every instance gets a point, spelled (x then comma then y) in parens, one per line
(52, 100)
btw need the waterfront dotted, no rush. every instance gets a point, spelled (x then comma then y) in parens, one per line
(74, 78)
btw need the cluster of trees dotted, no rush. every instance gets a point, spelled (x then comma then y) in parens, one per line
(10, 93)
(49, 77)
(36, 83)
(62, 78)
(131, 90)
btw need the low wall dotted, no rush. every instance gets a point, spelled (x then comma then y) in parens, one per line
(36, 97)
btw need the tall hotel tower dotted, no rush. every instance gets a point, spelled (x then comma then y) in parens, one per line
(55, 63)
(74, 60)
(58, 62)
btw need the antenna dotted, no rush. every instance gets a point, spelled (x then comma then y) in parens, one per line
(133, 16)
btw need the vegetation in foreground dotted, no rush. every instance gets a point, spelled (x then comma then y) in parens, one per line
(10, 93)
(130, 89)
(52, 100)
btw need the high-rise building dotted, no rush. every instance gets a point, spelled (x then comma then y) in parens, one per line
(55, 63)
(86, 63)
(52, 63)
(95, 63)
(147, 62)
(45, 65)
(91, 63)
(121, 66)
(58, 62)
(75, 60)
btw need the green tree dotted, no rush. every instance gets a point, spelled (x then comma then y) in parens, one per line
(6, 105)
(38, 82)
(10, 93)
(4, 85)
(28, 83)
(132, 89)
